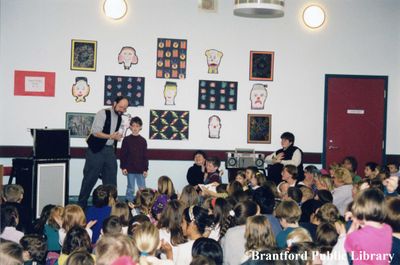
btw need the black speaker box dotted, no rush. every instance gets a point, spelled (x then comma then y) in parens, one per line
(44, 182)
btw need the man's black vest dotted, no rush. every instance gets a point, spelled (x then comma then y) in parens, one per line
(275, 170)
(96, 144)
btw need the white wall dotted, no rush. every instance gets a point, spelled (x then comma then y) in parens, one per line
(359, 37)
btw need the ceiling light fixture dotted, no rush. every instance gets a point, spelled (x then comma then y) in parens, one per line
(115, 9)
(259, 8)
(313, 16)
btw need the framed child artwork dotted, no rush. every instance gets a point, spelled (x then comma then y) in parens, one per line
(261, 66)
(259, 128)
(83, 55)
(79, 124)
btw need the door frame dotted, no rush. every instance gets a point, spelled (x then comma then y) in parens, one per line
(327, 77)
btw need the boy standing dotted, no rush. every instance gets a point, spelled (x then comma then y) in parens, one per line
(134, 161)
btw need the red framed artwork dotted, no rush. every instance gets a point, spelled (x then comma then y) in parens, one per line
(33, 83)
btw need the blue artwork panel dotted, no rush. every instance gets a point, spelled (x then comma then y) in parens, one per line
(127, 86)
(217, 95)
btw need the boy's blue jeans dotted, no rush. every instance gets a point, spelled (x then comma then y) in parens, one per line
(130, 189)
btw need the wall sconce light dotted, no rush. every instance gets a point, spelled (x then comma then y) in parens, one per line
(115, 9)
(313, 16)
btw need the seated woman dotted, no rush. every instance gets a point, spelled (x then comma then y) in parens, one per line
(195, 174)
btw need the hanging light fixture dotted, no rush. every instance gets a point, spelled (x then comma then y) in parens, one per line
(313, 16)
(259, 8)
(115, 9)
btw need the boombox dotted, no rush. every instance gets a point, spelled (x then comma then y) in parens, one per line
(243, 158)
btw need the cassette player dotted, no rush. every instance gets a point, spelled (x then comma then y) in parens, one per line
(243, 158)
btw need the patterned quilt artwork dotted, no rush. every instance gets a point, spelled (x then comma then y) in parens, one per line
(169, 125)
(128, 86)
(171, 58)
(217, 95)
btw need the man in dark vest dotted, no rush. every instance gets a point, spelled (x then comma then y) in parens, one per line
(102, 144)
(287, 155)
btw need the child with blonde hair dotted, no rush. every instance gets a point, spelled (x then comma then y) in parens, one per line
(343, 182)
(189, 196)
(298, 235)
(324, 182)
(80, 257)
(73, 215)
(147, 241)
(166, 186)
(11, 253)
(110, 248)
(368, 233)
(258, 234)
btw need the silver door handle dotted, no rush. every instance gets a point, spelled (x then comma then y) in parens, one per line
(331, 147)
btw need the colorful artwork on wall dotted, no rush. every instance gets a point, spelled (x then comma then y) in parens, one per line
(33, 83)
(83, 55)
(261, 66)
(259, 128)
(170, 91)
(127, 56)
(81, 89)
(171, 58)
(214, 127)
(169, 125)
(213, 60)
(127, 86)
(258, 95)
(217, 95)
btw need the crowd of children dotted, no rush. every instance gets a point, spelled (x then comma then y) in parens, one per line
(331, 216)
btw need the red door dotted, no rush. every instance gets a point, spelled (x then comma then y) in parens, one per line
(355, 119)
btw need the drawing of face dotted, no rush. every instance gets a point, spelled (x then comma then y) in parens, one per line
(214, 126)
(127, 57)
(213, 60)
(258, 95)
(170, 91)
(81, 89)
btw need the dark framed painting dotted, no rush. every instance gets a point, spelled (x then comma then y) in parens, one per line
(261, 66)
(79, 124)
(259, 128)
(83, 55)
